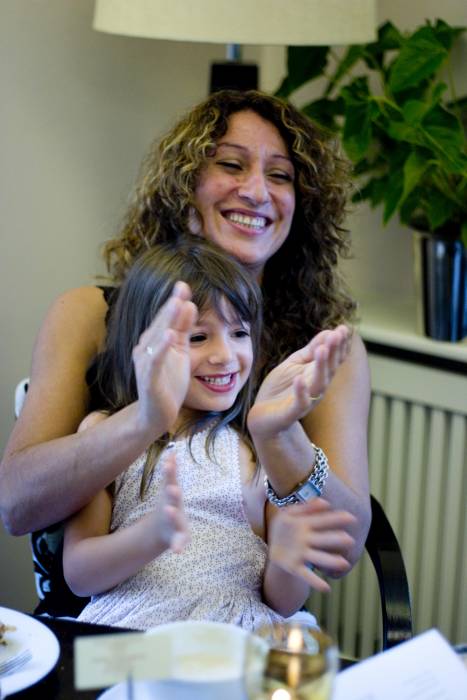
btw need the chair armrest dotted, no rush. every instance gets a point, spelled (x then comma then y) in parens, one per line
(385, 553)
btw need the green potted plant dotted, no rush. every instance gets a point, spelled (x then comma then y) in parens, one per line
(394, 105)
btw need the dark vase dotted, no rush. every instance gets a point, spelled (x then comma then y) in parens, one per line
(441, 286)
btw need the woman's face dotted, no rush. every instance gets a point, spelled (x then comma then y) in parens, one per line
(245, 195)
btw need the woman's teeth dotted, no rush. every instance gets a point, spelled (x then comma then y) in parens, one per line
(219, 381)
(253, 221)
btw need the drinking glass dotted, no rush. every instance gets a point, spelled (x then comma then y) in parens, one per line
(290, 661)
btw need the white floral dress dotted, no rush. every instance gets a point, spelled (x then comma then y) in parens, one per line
(219, 575)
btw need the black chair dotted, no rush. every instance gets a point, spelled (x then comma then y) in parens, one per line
(381, 545)
(385, 553)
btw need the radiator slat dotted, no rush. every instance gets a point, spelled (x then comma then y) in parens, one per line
(369, 632)
(411, 533)
(431, 518)
(453, 515)
(461, 601)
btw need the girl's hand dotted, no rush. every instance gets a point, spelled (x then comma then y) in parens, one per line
(292, 388)
(168, 522)
(162, 361)
(311, 533)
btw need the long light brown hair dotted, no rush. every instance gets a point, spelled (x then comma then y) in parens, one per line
(213, 276)
(302, 287)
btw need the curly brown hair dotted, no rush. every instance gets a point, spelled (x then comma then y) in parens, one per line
(302, 288)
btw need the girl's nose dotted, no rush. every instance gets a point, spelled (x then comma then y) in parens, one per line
(221, 353)
(254, 188)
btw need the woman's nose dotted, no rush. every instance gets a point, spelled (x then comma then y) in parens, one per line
(254, 188)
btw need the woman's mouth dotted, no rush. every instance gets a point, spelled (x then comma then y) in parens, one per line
(249, 222)
(218, 383)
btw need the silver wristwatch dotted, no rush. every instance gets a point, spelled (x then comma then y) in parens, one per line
(310, 488)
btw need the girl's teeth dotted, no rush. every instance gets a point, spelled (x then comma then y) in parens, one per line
(253, 221)
(220, 381)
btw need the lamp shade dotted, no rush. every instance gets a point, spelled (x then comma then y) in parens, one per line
(269, 22)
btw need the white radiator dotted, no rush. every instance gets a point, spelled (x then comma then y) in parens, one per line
(418, 472)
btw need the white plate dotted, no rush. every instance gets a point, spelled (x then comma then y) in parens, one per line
(187, 640)
(39, 639)
(176, 690)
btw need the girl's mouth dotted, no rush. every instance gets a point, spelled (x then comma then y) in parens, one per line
(218, 383)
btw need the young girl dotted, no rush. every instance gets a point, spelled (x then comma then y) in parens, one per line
(186, 531)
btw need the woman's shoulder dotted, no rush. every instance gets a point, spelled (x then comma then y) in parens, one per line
(90, 297)
(83, 311)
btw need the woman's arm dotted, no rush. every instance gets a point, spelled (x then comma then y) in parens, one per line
(48, 470)
(95, 560)
(299, 536)
(337, 424)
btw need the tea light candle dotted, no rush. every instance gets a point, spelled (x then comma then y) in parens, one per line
(294, 646)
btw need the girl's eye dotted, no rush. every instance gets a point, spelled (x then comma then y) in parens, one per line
(241, 333)
(197, 338)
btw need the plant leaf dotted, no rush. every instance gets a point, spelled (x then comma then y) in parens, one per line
(393, 194)
(443, 133)
(374, 191)
(324, 111)
(414, 111)
(389, 39)
(357, 131)
(464, 233)
(439, 208)
(304, 63)
(414, 168)
(447, 35)
(352, 55)
(419, 58)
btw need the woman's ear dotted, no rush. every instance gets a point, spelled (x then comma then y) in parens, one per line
(194, 222)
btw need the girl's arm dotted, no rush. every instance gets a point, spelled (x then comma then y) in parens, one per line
(299, 536)
(337, 423)
(48, 470)
(95, 560)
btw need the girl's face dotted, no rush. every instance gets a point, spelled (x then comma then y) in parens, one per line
(221, 358)
(246, 195)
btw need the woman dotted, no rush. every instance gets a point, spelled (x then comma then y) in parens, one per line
(253, 175)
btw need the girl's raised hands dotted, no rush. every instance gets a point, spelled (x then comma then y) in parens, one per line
(292, 388)
(162, 361)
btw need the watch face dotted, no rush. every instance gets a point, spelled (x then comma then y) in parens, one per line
(307, 492)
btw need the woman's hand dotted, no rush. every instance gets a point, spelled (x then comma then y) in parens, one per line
(292, 388)
(162, 361)
(314, 534)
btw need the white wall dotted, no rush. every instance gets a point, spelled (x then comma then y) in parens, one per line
(78, 109)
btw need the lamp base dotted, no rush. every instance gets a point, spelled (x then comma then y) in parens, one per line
(233, 75)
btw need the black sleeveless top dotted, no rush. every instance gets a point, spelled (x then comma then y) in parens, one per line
(55, 597)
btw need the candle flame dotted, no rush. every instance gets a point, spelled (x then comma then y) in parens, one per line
(281, 694)
(295, 640)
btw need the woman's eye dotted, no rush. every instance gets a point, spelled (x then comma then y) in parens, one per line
(281, 176)
(197, 338)
(230, 164)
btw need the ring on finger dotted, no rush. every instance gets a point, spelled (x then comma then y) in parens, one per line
(149, 350)
(316, 398)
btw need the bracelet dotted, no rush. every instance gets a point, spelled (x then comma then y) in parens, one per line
(311, 487)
